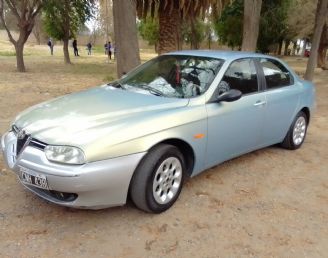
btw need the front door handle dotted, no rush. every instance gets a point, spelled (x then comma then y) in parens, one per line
(260, 103)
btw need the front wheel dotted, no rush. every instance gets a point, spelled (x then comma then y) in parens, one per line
(157, 182)
(297, 132)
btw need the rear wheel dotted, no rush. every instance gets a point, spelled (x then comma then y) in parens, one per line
(297, 132)
(157, 182)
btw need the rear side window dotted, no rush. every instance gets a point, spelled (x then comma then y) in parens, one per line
(241, 75)
(276, 75)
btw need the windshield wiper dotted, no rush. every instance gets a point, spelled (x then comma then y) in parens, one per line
(116, 85)
(152, 90)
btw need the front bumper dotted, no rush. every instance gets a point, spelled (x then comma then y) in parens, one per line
(95, 185)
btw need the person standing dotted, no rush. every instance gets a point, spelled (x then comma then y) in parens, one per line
(51, 46)
(109, 49)
(89, 47)
(76, 50)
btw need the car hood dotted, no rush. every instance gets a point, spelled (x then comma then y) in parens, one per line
(85, 116)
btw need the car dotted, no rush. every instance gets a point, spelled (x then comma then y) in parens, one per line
(169, 119)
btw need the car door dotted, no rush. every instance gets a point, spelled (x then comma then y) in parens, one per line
(236, 127)
(282, 96)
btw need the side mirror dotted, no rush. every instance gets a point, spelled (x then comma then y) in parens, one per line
(229, 96)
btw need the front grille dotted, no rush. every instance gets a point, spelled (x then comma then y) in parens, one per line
(61, 196)
(26, 140)
(52, 195)
(21, 143)
(37, 144)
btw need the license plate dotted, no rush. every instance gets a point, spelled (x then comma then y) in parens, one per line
(31, 177)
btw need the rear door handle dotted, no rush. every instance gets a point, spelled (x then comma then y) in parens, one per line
(260, 103)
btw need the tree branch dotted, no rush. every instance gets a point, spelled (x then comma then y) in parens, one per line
(2, 18)
(37, 10)
(13, 8)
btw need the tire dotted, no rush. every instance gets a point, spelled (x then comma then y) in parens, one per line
(158, 179)
(296, 133)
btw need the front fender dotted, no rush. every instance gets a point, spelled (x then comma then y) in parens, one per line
(186, 133)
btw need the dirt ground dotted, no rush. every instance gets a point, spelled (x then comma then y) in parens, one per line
(269, 203)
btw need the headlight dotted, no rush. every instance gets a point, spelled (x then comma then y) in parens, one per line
(64, 154)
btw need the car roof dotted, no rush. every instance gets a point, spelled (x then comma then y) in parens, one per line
(222, 54)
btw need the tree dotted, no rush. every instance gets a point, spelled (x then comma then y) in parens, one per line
(125, 32)
(209, 33)
(301, 17)
(194, 32)
(149, 30)
(251, 24)
(25, 12)
(106, 19)
(320, 19)
(273, 25)
(171, 13)
(229, 26)
(63, 18)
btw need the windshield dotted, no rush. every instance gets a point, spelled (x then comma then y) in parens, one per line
(176, 76)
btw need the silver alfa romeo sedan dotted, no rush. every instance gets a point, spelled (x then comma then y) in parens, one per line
(142, 135)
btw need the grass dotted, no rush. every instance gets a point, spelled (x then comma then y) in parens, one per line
(7, 53)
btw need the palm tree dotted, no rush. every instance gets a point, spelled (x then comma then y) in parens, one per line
(125, 33)
(170, 14)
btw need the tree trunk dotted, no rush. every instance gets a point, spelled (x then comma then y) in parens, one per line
(322, 51)
(304, 46)
(193, 37)
(287, 42)
(294, 48)
(280, 47)
(169, 29)
(252, 11)
(156, 47)
(66, 31)
(321, 14)
(126, 39)
(66, 52)
(20, 57)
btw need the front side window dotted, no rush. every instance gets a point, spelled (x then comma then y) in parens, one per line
(241, 75)
(276, 75)
(176, 76)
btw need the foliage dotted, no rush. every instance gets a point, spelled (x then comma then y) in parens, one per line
(61, 14)
(105, 18)
(172, 14)
(301, 17)
(198, 31)
(188, 8)
(229, 27)
(149, 30)
(273, 24)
